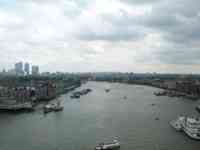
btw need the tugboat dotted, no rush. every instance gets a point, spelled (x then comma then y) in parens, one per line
(115, 145)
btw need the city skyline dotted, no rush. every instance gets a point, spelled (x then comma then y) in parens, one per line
(22, 69)
(97, 36)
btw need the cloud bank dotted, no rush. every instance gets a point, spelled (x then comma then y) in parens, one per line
(97, 35)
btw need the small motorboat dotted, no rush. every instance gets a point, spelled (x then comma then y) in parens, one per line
(115, 145)
(107, 90)
(75, 95)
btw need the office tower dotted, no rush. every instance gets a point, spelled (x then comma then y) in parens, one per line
(27, 68)
(35, 70)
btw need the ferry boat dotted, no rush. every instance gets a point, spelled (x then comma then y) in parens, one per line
(115, 145)
(189, 125)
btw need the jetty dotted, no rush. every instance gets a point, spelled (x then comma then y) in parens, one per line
(17, 106)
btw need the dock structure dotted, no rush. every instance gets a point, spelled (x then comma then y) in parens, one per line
(19, 106)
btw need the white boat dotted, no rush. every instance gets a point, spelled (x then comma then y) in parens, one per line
(115, 145)
(58, 107)
(178, 124)
(189, 125)
(48, 108)
(53, 107)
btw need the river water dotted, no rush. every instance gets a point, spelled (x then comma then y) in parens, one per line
(101, 116)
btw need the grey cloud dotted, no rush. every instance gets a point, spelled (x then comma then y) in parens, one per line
(177, 21)
(179, 56)
(117, 34)
(118, 26)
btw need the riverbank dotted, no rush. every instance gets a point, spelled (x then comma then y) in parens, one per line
(29, 93)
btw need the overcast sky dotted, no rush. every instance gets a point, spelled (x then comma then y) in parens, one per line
(101, 35)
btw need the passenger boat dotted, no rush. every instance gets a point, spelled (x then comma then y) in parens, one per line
(115, 145)
(189, 125)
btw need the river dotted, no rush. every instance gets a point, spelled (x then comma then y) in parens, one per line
(101, 116)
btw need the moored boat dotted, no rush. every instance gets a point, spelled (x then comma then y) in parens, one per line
(48, 108)
(177, 124)
(161, 93)
(58, 107)
(53, 107)
(80, 93)
(75, 95)
(189, 125)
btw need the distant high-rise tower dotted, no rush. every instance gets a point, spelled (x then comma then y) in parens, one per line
(19, 68)
(27, 68)
(35, 70)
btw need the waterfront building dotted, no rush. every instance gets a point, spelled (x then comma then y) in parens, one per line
(189, 87)
(170, 84)
(45, 90)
